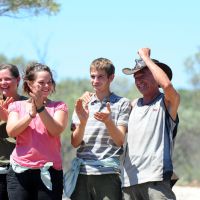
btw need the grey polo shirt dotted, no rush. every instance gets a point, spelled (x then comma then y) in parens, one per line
(97, 144)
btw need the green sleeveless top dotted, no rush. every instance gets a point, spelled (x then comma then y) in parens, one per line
(7, 144)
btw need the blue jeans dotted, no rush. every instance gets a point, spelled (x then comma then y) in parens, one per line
(29, 186)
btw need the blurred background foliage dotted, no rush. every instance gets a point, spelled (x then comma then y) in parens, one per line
(187, 151)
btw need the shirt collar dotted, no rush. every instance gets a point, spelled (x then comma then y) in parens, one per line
(112, 98)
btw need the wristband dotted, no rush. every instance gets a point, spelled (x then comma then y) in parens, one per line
(39, 110)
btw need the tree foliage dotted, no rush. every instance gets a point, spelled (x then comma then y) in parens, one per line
(192, 65)
(187, 151)
(186, 154)
(31, 7)
(19, 61)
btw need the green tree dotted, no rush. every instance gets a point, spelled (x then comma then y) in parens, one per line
(186, 154)
(16, 8)
(20, 61)
(192, 65)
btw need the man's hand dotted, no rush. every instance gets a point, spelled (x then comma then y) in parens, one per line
(81, 111)
(144, 52)
(86, 97)
(104, 116)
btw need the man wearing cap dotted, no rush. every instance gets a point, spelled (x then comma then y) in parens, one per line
(147, 164)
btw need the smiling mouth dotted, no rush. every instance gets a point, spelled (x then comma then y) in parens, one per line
(4, 89)
(141, 86)
(96, 85)
(45, 92)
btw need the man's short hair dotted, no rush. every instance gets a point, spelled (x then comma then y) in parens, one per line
(103, 64)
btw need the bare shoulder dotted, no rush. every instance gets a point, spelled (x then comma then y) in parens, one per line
(172, 104)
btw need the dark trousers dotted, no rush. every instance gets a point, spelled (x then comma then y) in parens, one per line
(3, 187)
(150, 190)
(97, 187)
(29, 186)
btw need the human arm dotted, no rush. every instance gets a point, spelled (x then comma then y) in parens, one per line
(78, 132)
(56, 124)
(172, 98)
(15, 125)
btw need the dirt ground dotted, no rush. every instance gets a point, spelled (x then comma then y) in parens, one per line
(187, 193)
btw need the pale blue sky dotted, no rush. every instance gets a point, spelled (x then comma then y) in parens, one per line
(115, 29)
